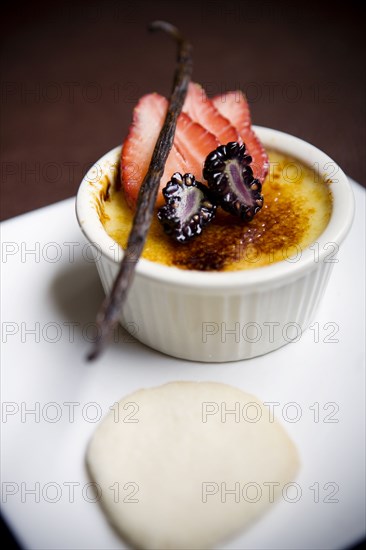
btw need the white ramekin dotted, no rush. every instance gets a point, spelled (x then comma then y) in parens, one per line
(222, 316)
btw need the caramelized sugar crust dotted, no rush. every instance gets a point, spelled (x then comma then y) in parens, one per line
(297, 208)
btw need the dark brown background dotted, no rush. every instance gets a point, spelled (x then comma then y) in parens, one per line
(72, 71)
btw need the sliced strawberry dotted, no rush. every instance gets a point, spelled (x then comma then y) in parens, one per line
(234, 106)
(148, 119)
(201, 109)
(194, 143)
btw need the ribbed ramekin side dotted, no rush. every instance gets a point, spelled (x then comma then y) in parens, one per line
(218, 326)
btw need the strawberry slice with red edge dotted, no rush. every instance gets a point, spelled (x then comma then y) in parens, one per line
(202, 110)
(192, 144)
(137, 150)
(234, 106)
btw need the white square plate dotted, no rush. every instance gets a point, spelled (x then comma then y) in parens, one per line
(52, 398)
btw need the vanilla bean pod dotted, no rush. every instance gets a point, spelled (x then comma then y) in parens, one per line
(110, 310)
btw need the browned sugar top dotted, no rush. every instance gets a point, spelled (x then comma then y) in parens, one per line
(297, 207)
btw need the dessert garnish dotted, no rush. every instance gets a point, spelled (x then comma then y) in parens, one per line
(110, 310)
(202, 126)
(202, 110)
(230, 178)
(192, 144)
(188, 207)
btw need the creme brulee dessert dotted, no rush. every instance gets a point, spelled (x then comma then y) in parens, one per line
(296, 210)
(206, 198)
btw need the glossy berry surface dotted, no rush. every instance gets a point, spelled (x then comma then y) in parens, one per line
(230, 177)
(188, 207)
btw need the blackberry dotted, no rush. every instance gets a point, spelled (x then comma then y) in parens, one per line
(230, 178)
(188, 207)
